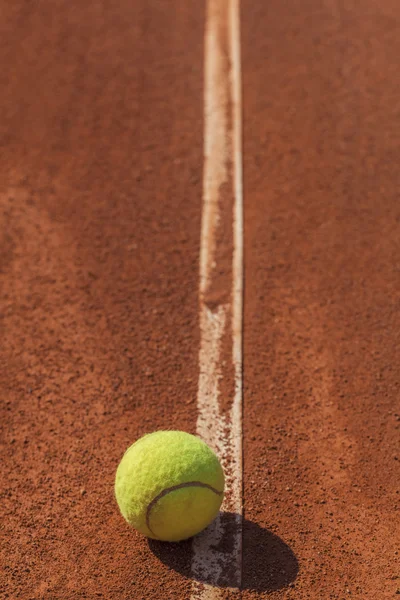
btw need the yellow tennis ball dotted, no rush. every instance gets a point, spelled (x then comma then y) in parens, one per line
(169, 485)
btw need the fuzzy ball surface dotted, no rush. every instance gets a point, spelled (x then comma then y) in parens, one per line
(169, 485)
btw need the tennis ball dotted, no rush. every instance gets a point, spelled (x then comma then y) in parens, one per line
(169, 485)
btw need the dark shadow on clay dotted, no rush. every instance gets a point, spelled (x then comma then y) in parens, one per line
(268, 563)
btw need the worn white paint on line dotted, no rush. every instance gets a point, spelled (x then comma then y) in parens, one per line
(222, 165)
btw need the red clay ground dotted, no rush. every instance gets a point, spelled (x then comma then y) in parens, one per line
(101, 201)
(100, 194)
(322, 317)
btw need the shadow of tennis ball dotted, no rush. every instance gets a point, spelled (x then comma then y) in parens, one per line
(268, 562)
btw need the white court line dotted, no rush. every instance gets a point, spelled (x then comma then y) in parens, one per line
(222, 167)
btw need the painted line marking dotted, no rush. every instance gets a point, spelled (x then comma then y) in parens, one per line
(221, 310)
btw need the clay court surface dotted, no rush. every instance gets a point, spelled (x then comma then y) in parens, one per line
(102, 127)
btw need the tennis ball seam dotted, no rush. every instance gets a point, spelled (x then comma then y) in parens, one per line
(173, 488)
